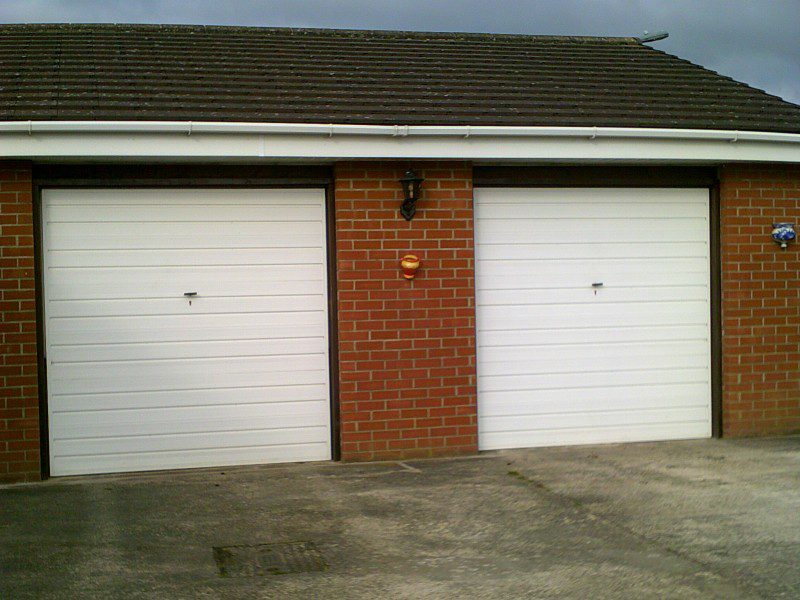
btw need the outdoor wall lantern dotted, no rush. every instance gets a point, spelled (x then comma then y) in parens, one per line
(783, 233)
(411, 186)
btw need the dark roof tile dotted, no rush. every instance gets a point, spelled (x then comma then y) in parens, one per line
(199, 73)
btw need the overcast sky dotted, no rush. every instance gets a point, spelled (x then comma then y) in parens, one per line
(755, 41)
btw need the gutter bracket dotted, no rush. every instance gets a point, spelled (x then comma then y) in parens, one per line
(735, 137)
(466, 135)
(594, 134)
(190, 129)
(30, 127)
(330, 130)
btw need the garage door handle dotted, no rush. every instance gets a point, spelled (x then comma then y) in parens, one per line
(597, 284)
(189, 294)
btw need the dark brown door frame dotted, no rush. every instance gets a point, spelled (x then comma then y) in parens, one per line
(63, 176)
(644, 177)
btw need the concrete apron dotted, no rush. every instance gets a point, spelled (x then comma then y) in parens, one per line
(681, 520)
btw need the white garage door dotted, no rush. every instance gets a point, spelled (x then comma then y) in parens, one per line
(593, 315)
(141, 376)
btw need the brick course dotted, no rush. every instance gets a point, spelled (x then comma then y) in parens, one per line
(760, 301)
(19, 403)
(406, 348)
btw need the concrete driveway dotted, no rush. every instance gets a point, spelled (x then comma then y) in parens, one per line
(716, 519)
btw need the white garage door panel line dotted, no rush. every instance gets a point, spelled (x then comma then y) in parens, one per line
(157, 461)
(616, 296)
(172, 196)
(161, 383)
(244, 364)
(184, 315)
(155, 399)
(185, 214)
(575, 280)
(177, 306)
(220, 357)
(191, 441)
(292, 404)
(137, 374)
(657, 346)
(605, 262)
(583, 436)
(606, 411)
(198, 449)
(314, 345)
(65, 259)
(633, 376)
(175, 433)
(674, 425)
(542, 402)
(663, 326)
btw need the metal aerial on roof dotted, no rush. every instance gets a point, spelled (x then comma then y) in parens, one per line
(652, 37)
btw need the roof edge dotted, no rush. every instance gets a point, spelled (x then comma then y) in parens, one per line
(334, 129)
(325, 30)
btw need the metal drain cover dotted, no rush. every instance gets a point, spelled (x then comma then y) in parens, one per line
(268, 559)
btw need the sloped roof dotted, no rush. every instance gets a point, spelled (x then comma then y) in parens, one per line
(197, 73)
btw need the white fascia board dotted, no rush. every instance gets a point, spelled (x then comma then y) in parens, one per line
(161, 140)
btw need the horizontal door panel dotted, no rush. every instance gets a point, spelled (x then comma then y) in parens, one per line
(590, 352)
(577, 400)
(579, 278)
(68, 290)
(185, 349)
(588, 295)
(189, 368)
(127, 235)
(101, 239)
(118, 335)
(179, 381)
(185, 459)
(205, 197)
(190, 441)
(599, 419)
(502, 250)
(71, 278)
(571, 199)
(179, 305)
(489, 440)
(164, 421)
(260, 395)
(545, 365)
(601, 209)
(616, 378)
(591, 335)
(67, 330)
(103, 214)
(581, 230)
(186, 257)
(588, 271)
(607, 315)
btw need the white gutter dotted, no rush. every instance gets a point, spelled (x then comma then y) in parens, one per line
(220, 141)
(190, 127)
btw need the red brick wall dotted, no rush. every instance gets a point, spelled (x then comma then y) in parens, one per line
(406, 348)
(19, 403)
(760, 301)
